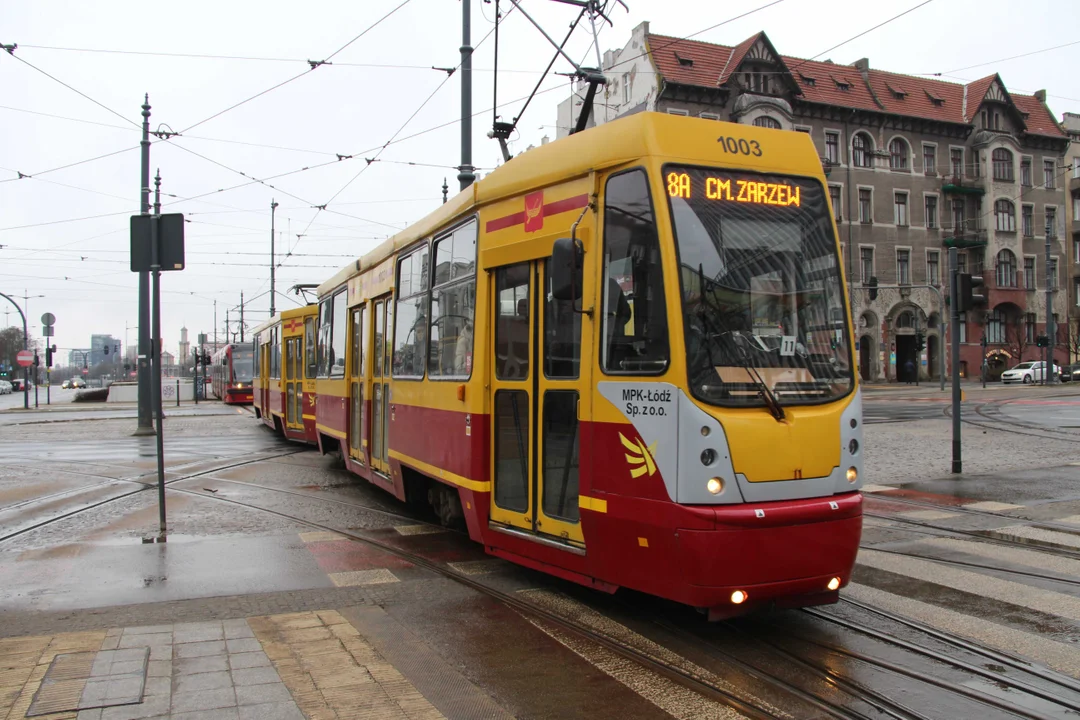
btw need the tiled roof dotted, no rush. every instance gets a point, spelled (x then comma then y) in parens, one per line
(926, 98)
(708, 60)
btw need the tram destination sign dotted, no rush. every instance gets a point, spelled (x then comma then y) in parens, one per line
(736, 190)
(170, 237)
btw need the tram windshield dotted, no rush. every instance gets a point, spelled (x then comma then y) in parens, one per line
(762, 293)
(243, 363)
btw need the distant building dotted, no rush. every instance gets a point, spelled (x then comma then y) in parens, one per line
(104, 348)
(79, 357)
(1071, 123)
(915, 167)
(184, 350)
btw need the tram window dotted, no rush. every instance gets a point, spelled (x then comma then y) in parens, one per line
(561, 455)
(512, 450)
(512, 322)
(275, 353)
(309, 347)
(562, 333)
(410, 333)
(635, 339)
(453, 304)
(257, 355)
(325, 316)
(337, 335)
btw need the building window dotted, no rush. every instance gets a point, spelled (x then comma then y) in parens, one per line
(1051, 222)
(863, 148)
(834, 197)
(1003, 165)
(931, 212)
(678, 111)
(1076, 211)
(626, 88)
(976, 164)
(709, 116)
(1076, 167)
(1025, 172)
(933, 267)
(958, 217)
(1027, 220)
(1051, 270)
(1076, 251)
(995, 326)
(956, 162)
(866, 258)
(767, 122)
(1029, 327)
(832, 147)
(1006, 269)
(900, 209)
(929, 159)
(1048, 174)
(898, 154)
(961, 262)
(1029, 273)
(903, 267)
(1005, 213)
(1076, 291)
(865, 215)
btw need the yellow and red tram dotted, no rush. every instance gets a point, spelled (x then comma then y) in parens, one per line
(231, 370)
(285, 373)
(623, 358)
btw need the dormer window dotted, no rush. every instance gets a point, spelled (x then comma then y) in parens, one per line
(934, 98)
(757, 81)
(897, 92)
(841, 83)
(808, 80)
(685, 62)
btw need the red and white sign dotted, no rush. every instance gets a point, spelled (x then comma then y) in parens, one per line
(25, 358)
(85, 371)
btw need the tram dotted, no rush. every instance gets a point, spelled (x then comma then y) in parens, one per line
(231, 371)
(285, 379)
(616, 359)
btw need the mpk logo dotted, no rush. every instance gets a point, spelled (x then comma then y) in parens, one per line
(640, 457)
(534, 211)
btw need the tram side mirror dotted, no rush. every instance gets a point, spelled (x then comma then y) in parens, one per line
(566, 263)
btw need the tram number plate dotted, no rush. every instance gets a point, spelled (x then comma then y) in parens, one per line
(787, 345)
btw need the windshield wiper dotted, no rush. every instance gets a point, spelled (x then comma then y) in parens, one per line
(763, 390)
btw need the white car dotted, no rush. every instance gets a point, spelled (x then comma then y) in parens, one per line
(1027, 373)
(5, 387)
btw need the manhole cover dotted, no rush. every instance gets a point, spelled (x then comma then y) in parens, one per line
(80, 681)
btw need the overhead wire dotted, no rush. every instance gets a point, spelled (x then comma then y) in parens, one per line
(22, 175)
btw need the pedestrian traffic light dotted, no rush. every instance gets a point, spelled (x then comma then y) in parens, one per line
(920, 341)
(967, 298)
(1042, 341)
(872, 282)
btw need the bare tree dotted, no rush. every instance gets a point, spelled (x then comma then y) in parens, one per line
(1016, 339)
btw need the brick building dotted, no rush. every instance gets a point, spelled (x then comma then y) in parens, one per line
(915, 166)
(1071, 123)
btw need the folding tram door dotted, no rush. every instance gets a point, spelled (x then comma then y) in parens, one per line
(382, 321)
(294, 383)
(537, 385)
(357, 362)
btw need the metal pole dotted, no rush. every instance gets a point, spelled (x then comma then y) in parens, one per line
(1051, 331)
(215, 325)
(146, 412)
(466, 176)
(36, 365)
(273, 212)
(195, 373)
(242, 316)
(177, 392)
(957, 463)
(26, 346)
(155, 266)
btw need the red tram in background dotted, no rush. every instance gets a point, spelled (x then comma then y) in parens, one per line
(231, 369)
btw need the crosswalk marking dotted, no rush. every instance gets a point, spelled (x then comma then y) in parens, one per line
(320, 536)
(353, 578)
(418, 529)
(1018, 556)
(928, 515)
(1039, 535)
(992, 506)
(876, 488)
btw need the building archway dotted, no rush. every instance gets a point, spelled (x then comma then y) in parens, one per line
(868, 331)
(933, 361)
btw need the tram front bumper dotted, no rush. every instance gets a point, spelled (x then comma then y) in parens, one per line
(782, 553)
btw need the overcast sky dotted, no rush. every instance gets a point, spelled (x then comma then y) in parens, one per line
(372, 93)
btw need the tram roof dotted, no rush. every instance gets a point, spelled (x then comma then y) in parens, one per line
(677, 138)
(310, 309)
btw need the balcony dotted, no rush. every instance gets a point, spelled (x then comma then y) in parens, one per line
(964, 237)
(963, 185)
(1074, 186)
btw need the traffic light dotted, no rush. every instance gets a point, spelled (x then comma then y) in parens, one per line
(967, 298)
(106, 349)
(49, 350)
(1042, 341)
(920, 341)
(872, 282)
(116, 349)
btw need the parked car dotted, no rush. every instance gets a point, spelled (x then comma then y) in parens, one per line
(17, 384)
(5, 387)
(1070, 373)
(1027, 373)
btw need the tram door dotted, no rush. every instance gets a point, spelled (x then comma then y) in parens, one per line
(357, 346)
(378, 442)
(294, 383)
(536, 381)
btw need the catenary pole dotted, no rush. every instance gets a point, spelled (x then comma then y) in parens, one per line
(273, 211)
(145, 412)
(954, 325)
(1051, 331)
(242, 315)
(155, 354)
(466, 176)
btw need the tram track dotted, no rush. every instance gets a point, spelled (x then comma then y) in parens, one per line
(143, 487)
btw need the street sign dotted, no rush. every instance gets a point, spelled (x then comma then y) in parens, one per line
(25, 358)
(202, 338)
(170, 236)
(85, 371)
(47, 330)
(48, 319)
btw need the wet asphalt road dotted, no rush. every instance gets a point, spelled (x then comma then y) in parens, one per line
(244, 515)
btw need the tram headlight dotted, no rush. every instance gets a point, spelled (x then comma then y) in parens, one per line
(715, 486)
(852, 474)
(739, 597)
(834, 584)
